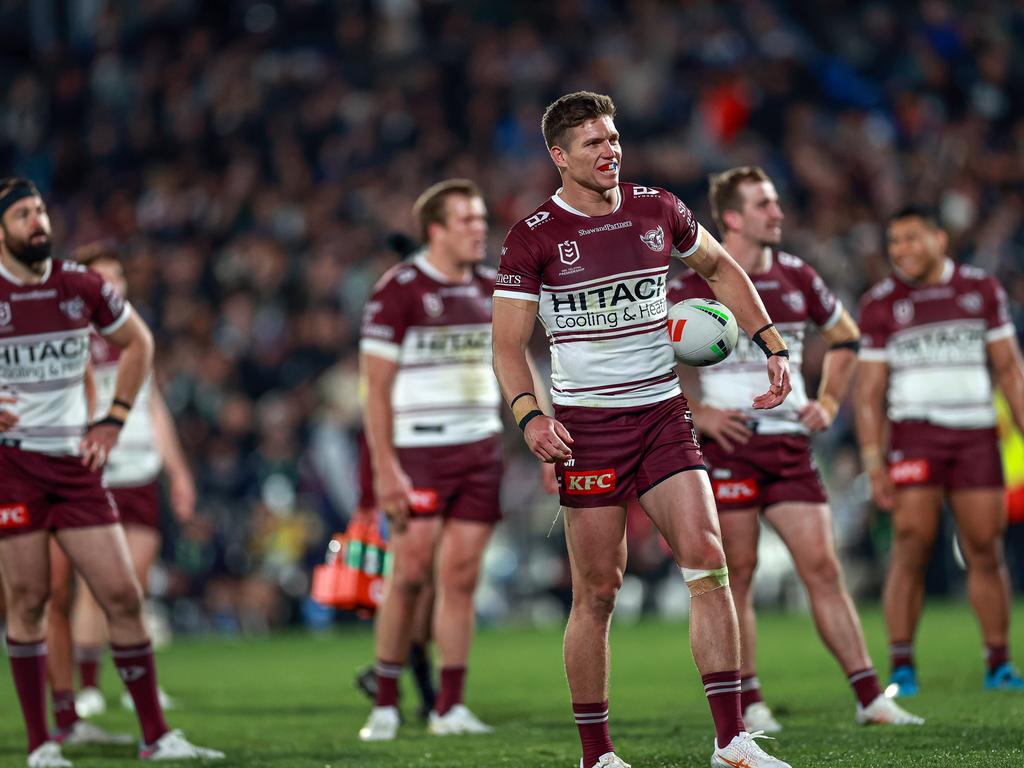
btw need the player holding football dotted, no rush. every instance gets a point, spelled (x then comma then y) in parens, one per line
(591, 261)
(760, 461)
(930, 334)
(433, 427)
(50, 464)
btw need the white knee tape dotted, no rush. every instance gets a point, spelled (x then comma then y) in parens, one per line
(701, 581)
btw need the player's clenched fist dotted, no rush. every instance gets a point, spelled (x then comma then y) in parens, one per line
(548, 439)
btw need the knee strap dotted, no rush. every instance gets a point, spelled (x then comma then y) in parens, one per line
(701, 582)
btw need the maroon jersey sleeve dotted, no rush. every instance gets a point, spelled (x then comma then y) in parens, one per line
(998, 324)
(685, 229)
(822, 305)
(520, 271)
(874, 328)
(106, 308)
(386, 315)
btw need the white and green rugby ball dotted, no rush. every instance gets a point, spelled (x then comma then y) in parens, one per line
(702, 331)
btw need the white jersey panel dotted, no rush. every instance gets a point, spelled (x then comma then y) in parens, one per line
(135, 459)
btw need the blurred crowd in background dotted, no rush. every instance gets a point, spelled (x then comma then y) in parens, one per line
(251, 159)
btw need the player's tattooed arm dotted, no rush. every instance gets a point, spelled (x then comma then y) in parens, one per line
(1005, 357)
(391, 485)
(733, 288)
(837, 369)
(869, 403)
(513, 323)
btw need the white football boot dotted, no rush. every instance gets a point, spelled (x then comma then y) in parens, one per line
(48, 755)
(608, 760)
(885, 711)
(455, 721)
(743, 752)
(174, 746)
(382, 724)
(88, 733)
(89, 702)
(758, 717)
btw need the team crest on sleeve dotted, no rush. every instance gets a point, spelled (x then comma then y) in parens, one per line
(569, 252)
(654, 239)
(73, 308)
(433, 305)
(5, 313)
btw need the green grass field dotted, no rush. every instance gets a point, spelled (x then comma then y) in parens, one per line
(289, 702)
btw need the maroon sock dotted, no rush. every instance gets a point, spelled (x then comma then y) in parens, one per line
(137, 669)
(592, 723)
(901, 654)
(750, 692)
(453, 679)
(723, 692)
(28, 666)
(63, 703)
(88, 658)
(387, 673)
(865, 685)
(996, 656)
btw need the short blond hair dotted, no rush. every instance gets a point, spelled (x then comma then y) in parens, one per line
(431, 206)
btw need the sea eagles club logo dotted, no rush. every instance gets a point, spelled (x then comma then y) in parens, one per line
(654, 239)
(5, 313)
(569, 252)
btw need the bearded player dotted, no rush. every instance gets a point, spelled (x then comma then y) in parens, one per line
(592, 261)
(760, 461)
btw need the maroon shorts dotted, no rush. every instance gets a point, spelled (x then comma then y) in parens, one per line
(618, 454)
(39, 492)
(456, 482)
(925, 454)
(367, 500)
(139, 504)
(768, 469)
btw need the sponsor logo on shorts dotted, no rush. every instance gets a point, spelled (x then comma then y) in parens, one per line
(13, 516)
(909, 471)
(423, 500)
(736, 490)
(594, 481)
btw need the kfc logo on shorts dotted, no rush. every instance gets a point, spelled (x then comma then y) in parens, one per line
(586, 483)
(537, 219)
(13, 516)
(569, 252)
(909, 471)
(424, 500)
(736, 490)
(654, 239)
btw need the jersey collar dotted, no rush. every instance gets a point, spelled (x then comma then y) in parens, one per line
(11, 277)
(557, 200)
(433, 272)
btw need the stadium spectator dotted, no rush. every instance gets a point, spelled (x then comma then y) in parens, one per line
(930, 333)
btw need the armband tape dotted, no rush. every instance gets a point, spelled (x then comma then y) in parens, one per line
(770, 341)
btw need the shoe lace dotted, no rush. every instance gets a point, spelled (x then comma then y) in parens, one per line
(612, 761)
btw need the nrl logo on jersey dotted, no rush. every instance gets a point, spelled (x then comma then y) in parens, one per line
(569, 252)
(433, 305)
(5, 313)
(645, 192)
(537, 219)
(654, 239)
(903, 311)
(73, 308)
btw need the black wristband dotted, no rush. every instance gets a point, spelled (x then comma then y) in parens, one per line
(756, 338)
(122, 403)
(526, 419)
(521, 394)
(108, 420)
(853, 345)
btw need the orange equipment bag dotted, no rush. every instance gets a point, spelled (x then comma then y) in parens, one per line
(352, 576)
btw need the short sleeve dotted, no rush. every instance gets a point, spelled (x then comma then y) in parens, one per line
(874, 331)
(385, 320)
(823, 307)
(685, 229)
(998, 324)
(520, 270)
(107, 308)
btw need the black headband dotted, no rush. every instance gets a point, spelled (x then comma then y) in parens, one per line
(19, 191)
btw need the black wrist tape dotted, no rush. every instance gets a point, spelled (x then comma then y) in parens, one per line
(528, 417)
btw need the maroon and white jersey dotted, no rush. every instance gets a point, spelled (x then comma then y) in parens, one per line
(44, 349)
(600, 285)
(135, 459)
(793, 295)
(934, 339)
(439, 333)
